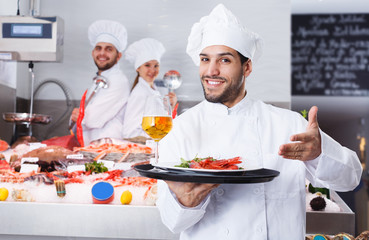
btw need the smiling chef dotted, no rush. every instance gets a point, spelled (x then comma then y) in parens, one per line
(228, 124)
(105, 111)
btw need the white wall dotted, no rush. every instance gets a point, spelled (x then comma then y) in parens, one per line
(8, 7)
(169, 21)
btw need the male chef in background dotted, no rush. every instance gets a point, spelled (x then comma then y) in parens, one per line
(105, 112)
(228, 124)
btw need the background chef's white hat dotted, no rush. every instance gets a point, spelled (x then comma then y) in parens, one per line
(108, 31)
(144, 50)
(221, 27)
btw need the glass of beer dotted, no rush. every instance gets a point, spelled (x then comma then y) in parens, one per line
(157, 119)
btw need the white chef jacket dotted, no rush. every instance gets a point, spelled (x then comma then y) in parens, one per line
(254, 131)
(135, 109)
(105, 112)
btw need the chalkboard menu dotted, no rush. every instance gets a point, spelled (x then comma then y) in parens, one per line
(330, 54)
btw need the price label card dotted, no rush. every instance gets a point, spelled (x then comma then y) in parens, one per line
(122, 166)
(75, 156)
(25, 168)
(108, 164)
(33, 146)
(29, 159)
(74, 168)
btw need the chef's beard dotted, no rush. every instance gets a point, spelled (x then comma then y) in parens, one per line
(228, 95)
(107, 65)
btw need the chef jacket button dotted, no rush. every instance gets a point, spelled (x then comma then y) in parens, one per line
(257, 190)
(259, 229)
(220, 191)
(226, 231)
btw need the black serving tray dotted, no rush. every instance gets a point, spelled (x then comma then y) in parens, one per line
(247, 176)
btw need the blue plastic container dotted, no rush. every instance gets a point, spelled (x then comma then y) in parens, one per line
(102, 193)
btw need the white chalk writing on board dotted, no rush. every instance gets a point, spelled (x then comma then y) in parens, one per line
(330, 54)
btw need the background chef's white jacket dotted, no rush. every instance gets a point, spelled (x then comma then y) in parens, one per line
(254, 131)
(135, 109)
(105, 112)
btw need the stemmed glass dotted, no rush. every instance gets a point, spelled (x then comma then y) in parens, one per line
(157, 119)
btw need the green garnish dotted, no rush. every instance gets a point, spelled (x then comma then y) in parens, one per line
(184, 164)
(313, 189)
(95, 167)
(304, 113)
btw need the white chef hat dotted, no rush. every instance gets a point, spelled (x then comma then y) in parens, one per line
(221, 27)
(108, 31)
(144, 50)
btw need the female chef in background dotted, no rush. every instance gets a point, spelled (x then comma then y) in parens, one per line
(145, 54)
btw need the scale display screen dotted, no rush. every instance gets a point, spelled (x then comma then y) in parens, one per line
(26, 30)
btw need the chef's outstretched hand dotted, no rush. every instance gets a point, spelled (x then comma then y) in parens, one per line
(190, 194)
(305, 146)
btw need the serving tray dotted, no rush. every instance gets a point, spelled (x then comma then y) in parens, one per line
(180, 175)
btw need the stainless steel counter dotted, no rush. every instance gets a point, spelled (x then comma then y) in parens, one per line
(50, 221)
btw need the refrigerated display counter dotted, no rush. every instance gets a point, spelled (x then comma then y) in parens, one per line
(21, 220)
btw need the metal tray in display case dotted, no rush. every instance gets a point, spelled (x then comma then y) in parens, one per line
(26, 118)
(331, 223)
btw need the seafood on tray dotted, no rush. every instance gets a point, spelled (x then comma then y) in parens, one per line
(49, 153)
(4, 165)
(117, 148)
(77, 170)
(211, 163)
(3, 145)
(116, 177)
